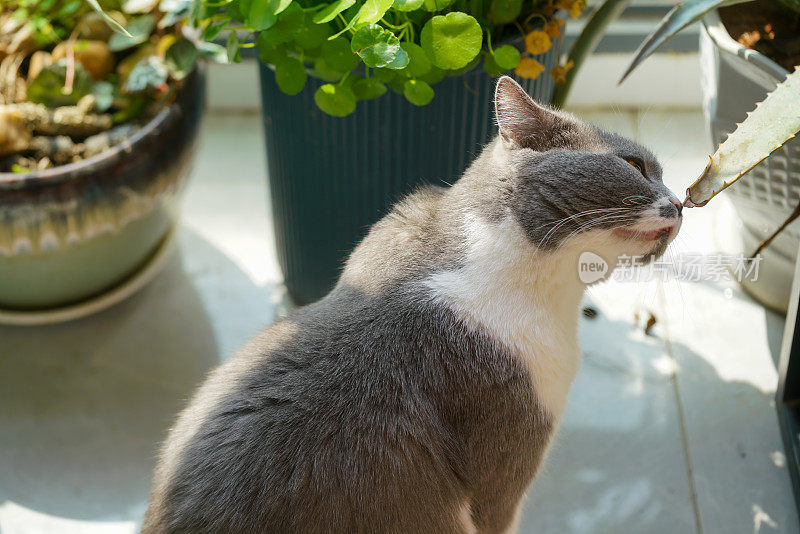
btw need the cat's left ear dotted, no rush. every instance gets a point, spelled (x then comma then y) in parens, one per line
(523, 123)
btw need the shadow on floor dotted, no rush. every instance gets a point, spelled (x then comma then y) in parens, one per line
(619, 463)
(83, 405)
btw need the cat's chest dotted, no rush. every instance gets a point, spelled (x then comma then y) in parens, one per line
(541, 337)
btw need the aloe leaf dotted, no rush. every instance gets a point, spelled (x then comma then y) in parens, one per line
(113, 24)
(767, 128)
(680, 16)
(586, 42)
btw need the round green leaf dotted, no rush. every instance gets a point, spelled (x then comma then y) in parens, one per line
(433, 76)
(329, 12)
(269, 53)
(323, 71)
(376, 47)
(507, 57)
(338, 56)
(384, 75)
(367, 89)
(452, 41)
(259, 14)
(505, 11)
(436, 5)
(418, 62)
(407, 5)
(400, 61)
(312, 35)
(289, 24)
(372, 11)
(335, 100)
(279, 5)
(290, 73)
(490, 66)
(417, 92)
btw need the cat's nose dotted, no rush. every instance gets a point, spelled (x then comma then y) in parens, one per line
(673, 208)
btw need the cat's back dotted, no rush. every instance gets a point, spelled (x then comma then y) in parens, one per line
(373, 410)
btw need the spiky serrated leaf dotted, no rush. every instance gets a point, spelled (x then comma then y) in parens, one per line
(767, 128)
(680, 16)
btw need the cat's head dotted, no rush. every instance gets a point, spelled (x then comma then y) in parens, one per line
(575, 183)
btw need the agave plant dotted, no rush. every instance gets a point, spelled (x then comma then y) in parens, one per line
(681, 16)
(775, 120)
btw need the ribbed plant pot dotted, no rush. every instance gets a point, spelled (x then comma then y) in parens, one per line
(735, 78)
(72, 232)
(330, 178)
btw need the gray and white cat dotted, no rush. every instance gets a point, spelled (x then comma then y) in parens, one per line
(421, 394)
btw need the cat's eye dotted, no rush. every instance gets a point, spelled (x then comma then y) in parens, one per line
(637, 164)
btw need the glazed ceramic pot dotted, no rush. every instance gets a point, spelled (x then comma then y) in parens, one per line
(735, 78)
(75, 231)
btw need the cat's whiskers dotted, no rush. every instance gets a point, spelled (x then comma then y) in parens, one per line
(558, 224)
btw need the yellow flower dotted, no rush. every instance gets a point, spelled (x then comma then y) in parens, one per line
(559, 72)
(553, 28)
(537, 42)
(575, 9)
(529, 68)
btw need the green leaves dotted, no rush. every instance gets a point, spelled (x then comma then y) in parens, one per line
(407, 5)
(453, 40)
(259, 14)
(48, 87)
(417, 92)
(290, 74)
(138, 30)
(336, 100)
(437, 5)
(329, 13)
(372, 11)
(338, 55)
(232, 48)
(507, 57)
(367, 89)
(505, 11)
(418, 63)
(379, 48)
(289, 24)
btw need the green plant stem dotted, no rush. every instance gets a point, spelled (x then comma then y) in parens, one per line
(587, 42)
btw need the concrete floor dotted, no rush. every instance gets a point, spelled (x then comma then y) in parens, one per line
(674, 432)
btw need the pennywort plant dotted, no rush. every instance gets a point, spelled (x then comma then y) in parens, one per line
(362, 48)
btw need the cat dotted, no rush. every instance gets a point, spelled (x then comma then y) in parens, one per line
(421, 394)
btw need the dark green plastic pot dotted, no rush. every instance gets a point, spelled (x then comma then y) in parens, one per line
(331, 178)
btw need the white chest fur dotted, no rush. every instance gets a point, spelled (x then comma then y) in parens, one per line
(527, 300)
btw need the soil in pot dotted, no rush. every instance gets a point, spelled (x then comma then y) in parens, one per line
(768, 28)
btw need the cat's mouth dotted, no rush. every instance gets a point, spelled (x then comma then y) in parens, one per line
(657, 234)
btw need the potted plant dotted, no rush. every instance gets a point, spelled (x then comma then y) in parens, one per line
(97, 130)
(364, 100)
(746, 50)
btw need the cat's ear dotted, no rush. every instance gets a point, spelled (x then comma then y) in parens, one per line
(523, 123)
